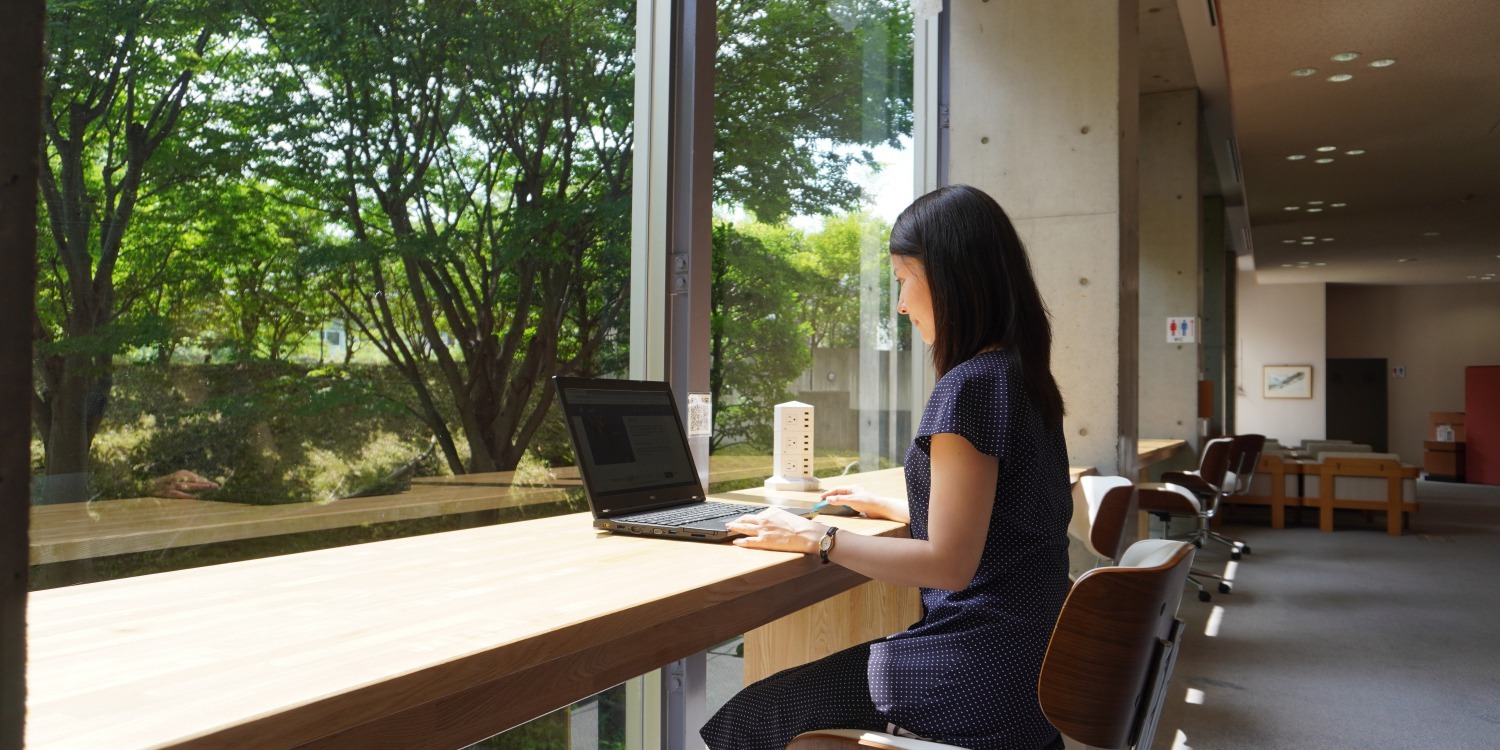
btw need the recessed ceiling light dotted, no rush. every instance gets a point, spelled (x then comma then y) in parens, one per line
(1345, 56)
(1384, 62)
(1309, 237)
(1355, 151)
(1315, 203)
(1315, 210)
(1294, 208)
(1407, 260)
(1320, 264)
(1286, 265)
(1472, 276)
(1340, 77)
(1307, 242)
(1328, 148)
(1339, 205)
(1296, 157)
(1324, 160)
(1304, 72)
(1328, 239)
(1288, 242)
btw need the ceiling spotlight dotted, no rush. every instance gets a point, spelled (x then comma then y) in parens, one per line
(1296, 157)
(1406, 260)
(1340, 77)
(1345, 56)
(1355, 151)
(1315, 203)
(1320, 264)
(1328, 148)
(1304, 72)
(1324, 160)
(1314, 210)
(1286, 265)
(1288, 242)
(1328, 239)
(1309, 237)
(1306, 243)
(1294, 208)
(1384, 62)
(1339, 205)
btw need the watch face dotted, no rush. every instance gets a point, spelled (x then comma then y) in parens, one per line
(826, 543)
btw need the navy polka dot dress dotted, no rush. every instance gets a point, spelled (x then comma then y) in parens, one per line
(966, 674)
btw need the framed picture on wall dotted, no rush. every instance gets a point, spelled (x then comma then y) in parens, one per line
(1288, 381)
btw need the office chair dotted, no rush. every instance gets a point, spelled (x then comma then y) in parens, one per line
(1101, 506)
(1105, 674)
(1167, 500)
(1227, 468)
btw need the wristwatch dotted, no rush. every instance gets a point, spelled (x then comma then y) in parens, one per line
(825, 545)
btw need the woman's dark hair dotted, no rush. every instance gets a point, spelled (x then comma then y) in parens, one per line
(983, 293)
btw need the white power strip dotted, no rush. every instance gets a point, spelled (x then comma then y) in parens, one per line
(794, 449)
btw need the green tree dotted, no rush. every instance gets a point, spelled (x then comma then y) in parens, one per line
(758, 344)
(121, 77)
(485, 189)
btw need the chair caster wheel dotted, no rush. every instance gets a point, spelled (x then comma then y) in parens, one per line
(1245, 549)
(1204, 596)
(1235, 555)
(1223, 588)
(1198, 543)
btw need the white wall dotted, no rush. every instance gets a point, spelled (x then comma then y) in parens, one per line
(1432, 331)
(1280, 324)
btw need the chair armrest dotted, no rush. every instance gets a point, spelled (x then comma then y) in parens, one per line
(853, 739)
(1194, 483)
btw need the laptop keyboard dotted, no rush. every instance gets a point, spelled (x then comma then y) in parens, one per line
(694, 513)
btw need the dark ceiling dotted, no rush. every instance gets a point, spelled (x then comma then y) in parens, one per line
(1420, 204)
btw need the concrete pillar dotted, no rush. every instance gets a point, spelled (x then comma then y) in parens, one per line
(1044, 112)
(1170, 269)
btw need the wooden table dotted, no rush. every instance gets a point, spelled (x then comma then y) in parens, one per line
(1156, 450)
(430, 641)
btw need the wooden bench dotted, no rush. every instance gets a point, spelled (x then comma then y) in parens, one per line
(1269, 487)
(1387, 467)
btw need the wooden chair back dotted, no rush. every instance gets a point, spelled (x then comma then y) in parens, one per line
(1114, 646)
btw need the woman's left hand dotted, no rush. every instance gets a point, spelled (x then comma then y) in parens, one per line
(774, 528)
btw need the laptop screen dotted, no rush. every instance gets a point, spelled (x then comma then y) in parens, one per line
(630, 444)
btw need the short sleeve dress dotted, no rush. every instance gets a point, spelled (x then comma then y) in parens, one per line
(966, 673)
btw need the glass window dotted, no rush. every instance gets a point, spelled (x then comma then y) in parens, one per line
(813, 161)
(317, 262)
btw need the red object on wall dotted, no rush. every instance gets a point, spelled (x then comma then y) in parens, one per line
(1482, 418)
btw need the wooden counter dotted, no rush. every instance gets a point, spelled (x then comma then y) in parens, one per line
(431, 641)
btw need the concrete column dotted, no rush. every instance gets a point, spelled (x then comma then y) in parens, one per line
(1170, 268)
(1044, 118)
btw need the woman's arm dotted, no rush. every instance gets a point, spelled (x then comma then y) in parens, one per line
(963, 496)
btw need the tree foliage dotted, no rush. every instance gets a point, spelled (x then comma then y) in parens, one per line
(450, 178)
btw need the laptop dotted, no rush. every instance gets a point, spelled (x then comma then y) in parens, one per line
(637, 469)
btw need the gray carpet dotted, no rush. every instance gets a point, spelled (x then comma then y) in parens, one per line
(1349, 639)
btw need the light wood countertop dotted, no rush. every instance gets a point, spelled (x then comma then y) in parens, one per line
(437, 640)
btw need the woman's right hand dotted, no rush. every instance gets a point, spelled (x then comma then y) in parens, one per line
(874, 506)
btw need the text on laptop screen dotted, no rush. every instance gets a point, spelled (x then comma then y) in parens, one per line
(629, 440)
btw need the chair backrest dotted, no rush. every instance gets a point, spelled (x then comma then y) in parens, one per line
(1214, 463)
(1244, 456)
(1114, 645)
(1100, 508)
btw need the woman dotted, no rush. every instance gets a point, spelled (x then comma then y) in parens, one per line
(988, 504)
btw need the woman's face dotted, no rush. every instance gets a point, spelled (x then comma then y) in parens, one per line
(915, 301)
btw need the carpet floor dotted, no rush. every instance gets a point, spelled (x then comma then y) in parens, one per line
(1349, 639)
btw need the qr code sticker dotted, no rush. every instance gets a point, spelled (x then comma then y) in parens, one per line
(700, 421)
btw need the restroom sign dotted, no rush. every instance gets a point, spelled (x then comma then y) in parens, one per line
(1182, 330)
